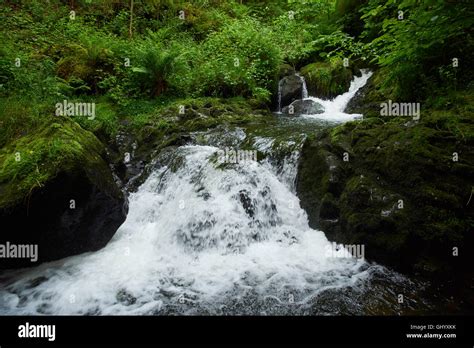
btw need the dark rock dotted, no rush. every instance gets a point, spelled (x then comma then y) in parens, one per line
(327, 80)
(247, 203)
(405, 201)
(367, 99)
(126, 298)
(77, 209)
(304, 107)
(291, 89)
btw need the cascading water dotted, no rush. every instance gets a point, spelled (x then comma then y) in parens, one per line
(304, 88)
(279, 94)
(334, 109)
(198, 239)
(208, 238)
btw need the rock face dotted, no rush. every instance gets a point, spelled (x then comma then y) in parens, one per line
(393, 186)
(285, 70)
(327, 79)
(76, 205)
(291, 89)
(367, 99)
(306, 107)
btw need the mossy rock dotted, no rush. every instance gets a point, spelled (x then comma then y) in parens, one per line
(401, 193)
(368, 98)
(327, 79)
(285, 70)
(171, 124)
(58, 192)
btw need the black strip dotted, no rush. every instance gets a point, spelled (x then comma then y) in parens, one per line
(240, 330)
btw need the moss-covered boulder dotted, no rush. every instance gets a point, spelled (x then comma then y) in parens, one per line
(327, 79)
(368, 98)
(57, 191)
(404, 189)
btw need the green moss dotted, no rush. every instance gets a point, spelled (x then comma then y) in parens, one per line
(193, 114)
(392, 160)
(32, 160)
(327, 79)
(105, 124)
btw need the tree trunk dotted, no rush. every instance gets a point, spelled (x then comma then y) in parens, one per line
(131, 20)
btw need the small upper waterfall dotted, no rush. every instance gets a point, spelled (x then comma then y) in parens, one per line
(304, 88)
(334, 108)
(279, 95)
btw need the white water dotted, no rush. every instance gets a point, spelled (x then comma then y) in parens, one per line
(304, 88)
(279, 94)
(334, 109)
(189, 246)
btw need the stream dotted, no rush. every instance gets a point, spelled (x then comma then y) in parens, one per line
(209, 238)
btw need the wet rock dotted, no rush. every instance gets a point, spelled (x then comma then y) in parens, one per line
(126, 298)
(74, 204)
(291, 89)
(367, 99)
(402, 199)
(247, 202)
(303, 107)
(327, 79)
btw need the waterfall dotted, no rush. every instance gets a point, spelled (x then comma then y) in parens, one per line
(334, 109)
(198, 239)
(205, 238)
(279, 95)
(304, 88)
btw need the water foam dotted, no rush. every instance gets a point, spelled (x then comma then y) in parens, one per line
(334, 109)
(198, 239)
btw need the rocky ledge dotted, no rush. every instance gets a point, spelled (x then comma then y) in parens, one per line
(403, 188)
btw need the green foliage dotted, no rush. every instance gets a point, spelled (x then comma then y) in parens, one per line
(237, 60)
(105, 123)
(223, 49)
(154, 70)
(17, 118)
(339, 44)
(293, 37)
(416, 51)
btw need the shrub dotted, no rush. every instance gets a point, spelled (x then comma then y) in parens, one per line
(237, 60)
